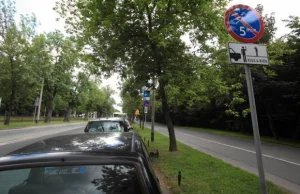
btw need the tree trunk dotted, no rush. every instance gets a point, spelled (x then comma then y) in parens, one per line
(49, 110)
(296, 134)
(7, 116)
(166, 112)
(13, 93)
(99, 114)
(68, 113)
(86, 116)
(11, 103)
(271, 123)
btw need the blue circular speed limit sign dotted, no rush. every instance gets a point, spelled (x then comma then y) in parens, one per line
(244, 23)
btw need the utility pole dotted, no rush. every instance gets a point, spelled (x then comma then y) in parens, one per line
(0, 101)
(40, 102)
(153, 111)
(36, 104)
(143, 117)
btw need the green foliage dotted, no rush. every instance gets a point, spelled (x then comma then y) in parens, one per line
(143, 38)
(27, 58)
(95, 99)
(17, 50)
(131, 98)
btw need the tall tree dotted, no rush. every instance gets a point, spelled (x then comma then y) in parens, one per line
(131, 98)
(58, 77)
(142, 36)
(16, 64)
(98, 100)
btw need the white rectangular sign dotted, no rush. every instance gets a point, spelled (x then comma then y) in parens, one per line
(251, 54)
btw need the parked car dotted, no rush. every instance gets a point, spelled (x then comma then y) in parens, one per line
(234, 55)
(80, 164)
(111, 124)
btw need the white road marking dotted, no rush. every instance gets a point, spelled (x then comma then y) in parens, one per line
(250, 151)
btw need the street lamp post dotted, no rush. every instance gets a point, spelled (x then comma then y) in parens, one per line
(40, 102)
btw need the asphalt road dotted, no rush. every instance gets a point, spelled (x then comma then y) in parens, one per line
(281, 163)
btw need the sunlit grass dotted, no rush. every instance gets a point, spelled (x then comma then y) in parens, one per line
(27, 123)
(201, 173)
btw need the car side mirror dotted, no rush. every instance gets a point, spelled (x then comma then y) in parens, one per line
(154, 154)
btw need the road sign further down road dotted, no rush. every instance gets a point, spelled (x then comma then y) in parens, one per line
(146, 103)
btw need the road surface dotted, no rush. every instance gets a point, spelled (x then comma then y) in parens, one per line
(281, 163)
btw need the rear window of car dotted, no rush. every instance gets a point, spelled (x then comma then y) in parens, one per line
(104, 126)
(83, 179)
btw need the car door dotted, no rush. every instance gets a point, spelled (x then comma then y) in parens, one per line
(148, 159)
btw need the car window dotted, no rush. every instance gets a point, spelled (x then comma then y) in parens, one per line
(11, 178)
(72, 179)
(104, 126)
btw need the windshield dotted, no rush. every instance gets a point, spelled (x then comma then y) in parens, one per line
(91, 179)
(104, 126)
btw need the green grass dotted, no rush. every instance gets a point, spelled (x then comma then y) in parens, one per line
(14, 125)
(201, 173)
(282, 141)
(30, 119)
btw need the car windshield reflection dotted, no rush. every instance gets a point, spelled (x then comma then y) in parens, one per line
(82, 179)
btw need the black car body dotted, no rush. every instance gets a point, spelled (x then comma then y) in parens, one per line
(80, 163)
(234, 55)
(111, 124)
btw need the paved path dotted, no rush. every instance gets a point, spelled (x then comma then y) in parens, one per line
(281, 163)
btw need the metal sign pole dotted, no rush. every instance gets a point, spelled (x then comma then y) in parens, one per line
(260, 166)
(36, 103)
(143, 119)
(40, 102)
(153, 112)
(34, 116)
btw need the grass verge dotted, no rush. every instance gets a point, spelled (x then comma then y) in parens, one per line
(282, 141)
(201, 173)
(32, 124)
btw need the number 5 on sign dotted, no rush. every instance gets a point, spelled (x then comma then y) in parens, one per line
(242, 30)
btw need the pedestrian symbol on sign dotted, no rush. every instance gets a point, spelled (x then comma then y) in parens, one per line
(243, 51)
(256, 51)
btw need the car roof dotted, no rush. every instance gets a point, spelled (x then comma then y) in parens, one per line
(91, 142)
(108, 119)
